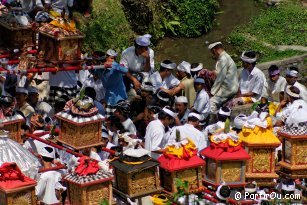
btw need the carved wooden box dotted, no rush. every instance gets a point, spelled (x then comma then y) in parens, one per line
(23, 196)
(14, 129)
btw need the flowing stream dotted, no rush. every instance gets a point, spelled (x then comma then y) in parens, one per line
(195, 50)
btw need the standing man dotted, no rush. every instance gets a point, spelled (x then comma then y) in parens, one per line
(226, 83)
(202, 102)
(137, 58)
(184, 75)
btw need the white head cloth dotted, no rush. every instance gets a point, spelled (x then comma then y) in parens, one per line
(143, 40)
(193, 114)
(292, 73)
(247, 59)
(169, 112)
(168, 66)
(212, 45)
(199, 67)
(239, 121)
(181, 99)
(22, 90)
(224, 113)
(184, 67)
(251, 190)
(292, 94)
(111, 52)
(44, 152)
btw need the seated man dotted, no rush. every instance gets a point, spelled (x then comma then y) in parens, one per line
(181, 106)
(252, 84)
(276, 84)
(291, 78)
(202, 102)
(164, 79)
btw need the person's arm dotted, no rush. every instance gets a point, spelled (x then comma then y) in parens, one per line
(136, 83)
(174, 90)
(147, 58)
(221, 76)
(118, 67)
(249, 94)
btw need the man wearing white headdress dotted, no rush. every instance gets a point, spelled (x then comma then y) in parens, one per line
(181, 107)
(189, 130)
(138, 58)
(226, 83)
(164, 79)
(184, 75)
(155, 132)
(291, 78)
(252, 84)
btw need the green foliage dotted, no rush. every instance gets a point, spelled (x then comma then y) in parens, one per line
(189, 18)
(107, 28)
(104, 202)
(281, 25)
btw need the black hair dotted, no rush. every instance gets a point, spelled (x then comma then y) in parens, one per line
(222, 117)
(163, 115)
(194, 65)
(219, 46)
(165, 62)
(90, 92)
(225, 191)
(193, 119)
(293, 68)
(47, 159)
(251, 54)
(294, 90)
(115, 121)
(272, 68)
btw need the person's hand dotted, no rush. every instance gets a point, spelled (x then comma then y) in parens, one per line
(137, 84)
(283, 103)
(145, 54)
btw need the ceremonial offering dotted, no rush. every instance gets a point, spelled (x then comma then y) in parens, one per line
(59, 40)
(11, 121)
(136, 174)
(80, 124)
(15, 187)
(11, 151)
(260, 143)
(294, 140)
(89, 183)
(15, 28)
(225, 160)
(181, 161)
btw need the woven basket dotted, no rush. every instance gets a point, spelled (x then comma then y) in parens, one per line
(18, 196)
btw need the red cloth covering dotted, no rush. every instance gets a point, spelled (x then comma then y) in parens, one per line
(87, 166)
(174, 164)
(11, 177)
(223, 151)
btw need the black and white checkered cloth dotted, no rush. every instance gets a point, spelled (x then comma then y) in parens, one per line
(58, 92)
(295, 129)
(110, 110)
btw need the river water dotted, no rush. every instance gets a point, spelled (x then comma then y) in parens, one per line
(195, 50)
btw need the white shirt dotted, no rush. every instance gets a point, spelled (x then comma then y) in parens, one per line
(274, 88)
(29, 5)
(98, 87)
(226, 82)
(46, 185)
(167, 83)
(285, 113)
(302, 88)
(66, 79)
(128, 125)
(189, 131)
(202, 103)
(155, 132)
(253, 82)
(136, 63)
(57, 5)
(44, 109)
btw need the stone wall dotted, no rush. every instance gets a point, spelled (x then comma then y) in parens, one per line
(298, 61)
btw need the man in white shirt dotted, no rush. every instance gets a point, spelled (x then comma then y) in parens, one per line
(164, 79)
(276, 84)
(95, 82)
(226, 83)
(155, 131)
(188, 130)
(60, 5)
(252, 80)
(122, 111)
(291, 77)
(138, 58)
(202, 102)
(40, 107)
(181, 107)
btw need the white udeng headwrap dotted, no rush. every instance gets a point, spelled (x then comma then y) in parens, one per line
(181, 99)
(193, 114)
(292, 73)
(168, 66)
(199, 67)
(251, 190)
(224, 113)
(247, 59)
(288, 187)
(184, 67)
(290, 93)
(171, 113)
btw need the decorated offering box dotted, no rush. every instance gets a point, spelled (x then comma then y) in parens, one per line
(89, 184)
(260, 143)
(225, 160)
(183, 164)
(15, 188)
(80, 124)
(294, 142)
(13, 31)
(136, 180)
(60, 41)
(12, 124)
